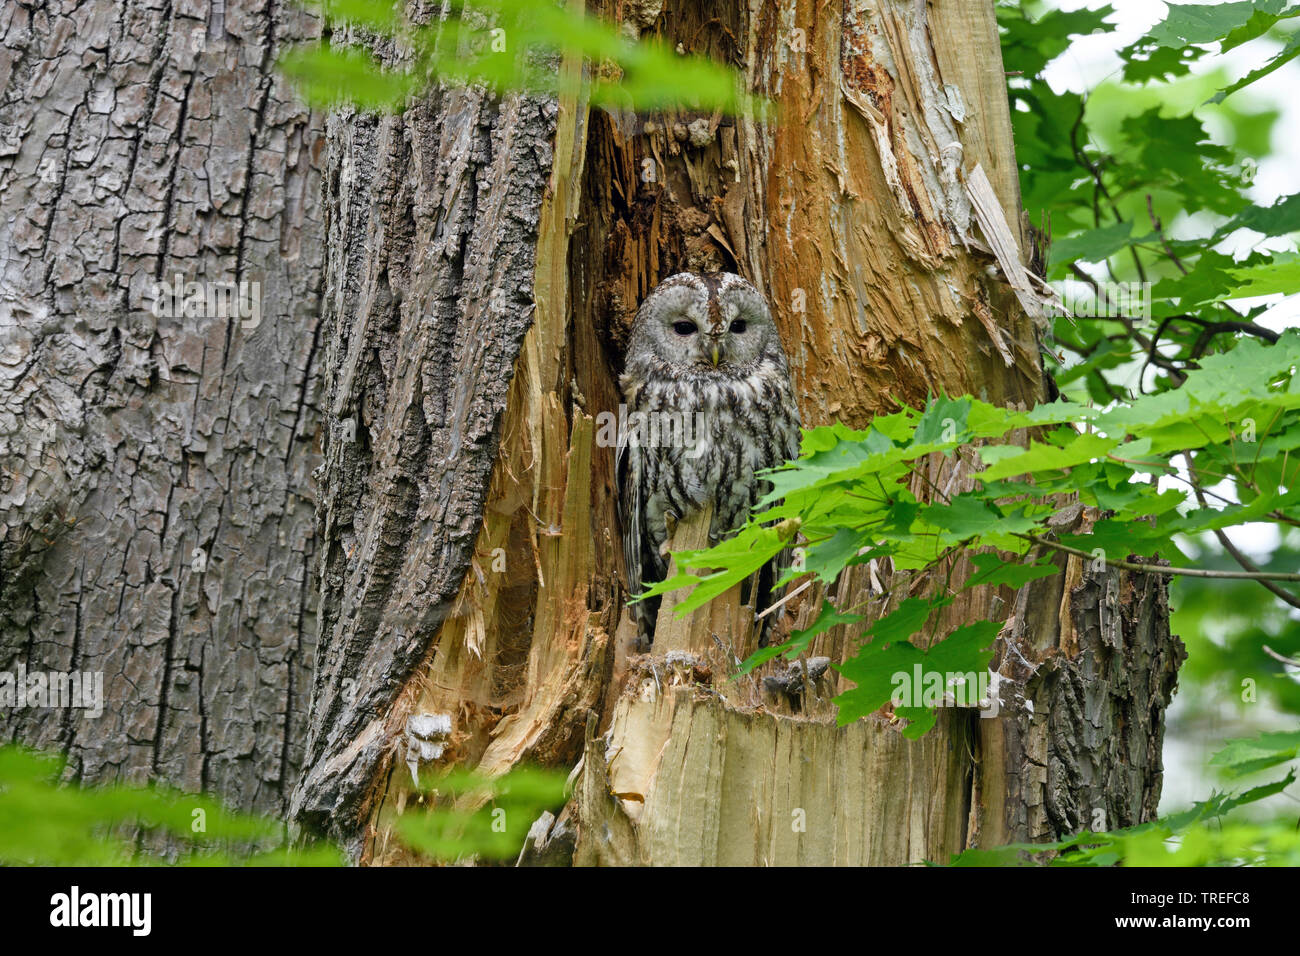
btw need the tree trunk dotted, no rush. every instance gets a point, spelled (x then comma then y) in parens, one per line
(156, 514)
(481, 258)
(486, 257)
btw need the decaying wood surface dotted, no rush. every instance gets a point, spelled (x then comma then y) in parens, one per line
(881, 214)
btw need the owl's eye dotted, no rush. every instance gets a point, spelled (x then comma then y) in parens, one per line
(738, 326)
(684, 328)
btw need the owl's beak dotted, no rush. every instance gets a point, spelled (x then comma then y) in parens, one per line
(715, 354)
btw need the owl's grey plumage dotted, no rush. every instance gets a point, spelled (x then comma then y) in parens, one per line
(705, 353)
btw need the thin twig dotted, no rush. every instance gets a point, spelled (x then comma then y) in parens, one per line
(1165, 569)
(1236, 553)
(799, 590)
(1278, 657)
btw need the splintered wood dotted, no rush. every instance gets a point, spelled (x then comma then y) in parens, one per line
(849, 215)
(857, 215)
(722, 632)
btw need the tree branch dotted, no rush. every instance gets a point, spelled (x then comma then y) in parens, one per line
(1164, 569)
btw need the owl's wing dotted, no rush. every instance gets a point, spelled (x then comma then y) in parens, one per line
(630, 508)
(787, 440)
(629, 468)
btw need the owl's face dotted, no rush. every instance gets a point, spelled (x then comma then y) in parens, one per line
(704, 324)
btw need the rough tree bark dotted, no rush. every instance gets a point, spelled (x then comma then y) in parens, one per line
(486, 256)
(481, 259)
(156, 518)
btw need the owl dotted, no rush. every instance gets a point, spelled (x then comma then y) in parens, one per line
(709, 402)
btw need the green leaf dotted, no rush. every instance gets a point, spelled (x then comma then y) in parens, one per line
(1040, 457)
(1260, 22)
(1245, 756)
(799, 641)
(907, 619)
(329, 77)
(1205, 23)
(965, 649)
(1029, 45)
(916, 680)
(1279, 219)
(470, 815)
(1095, 245)
(874, 669)
(1289, 53)
(382, 16)
(1146, 61)
(826, 559)
(45, 822)
(521, 53)
(991, 570)
(1279, 275)
(943, 422)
